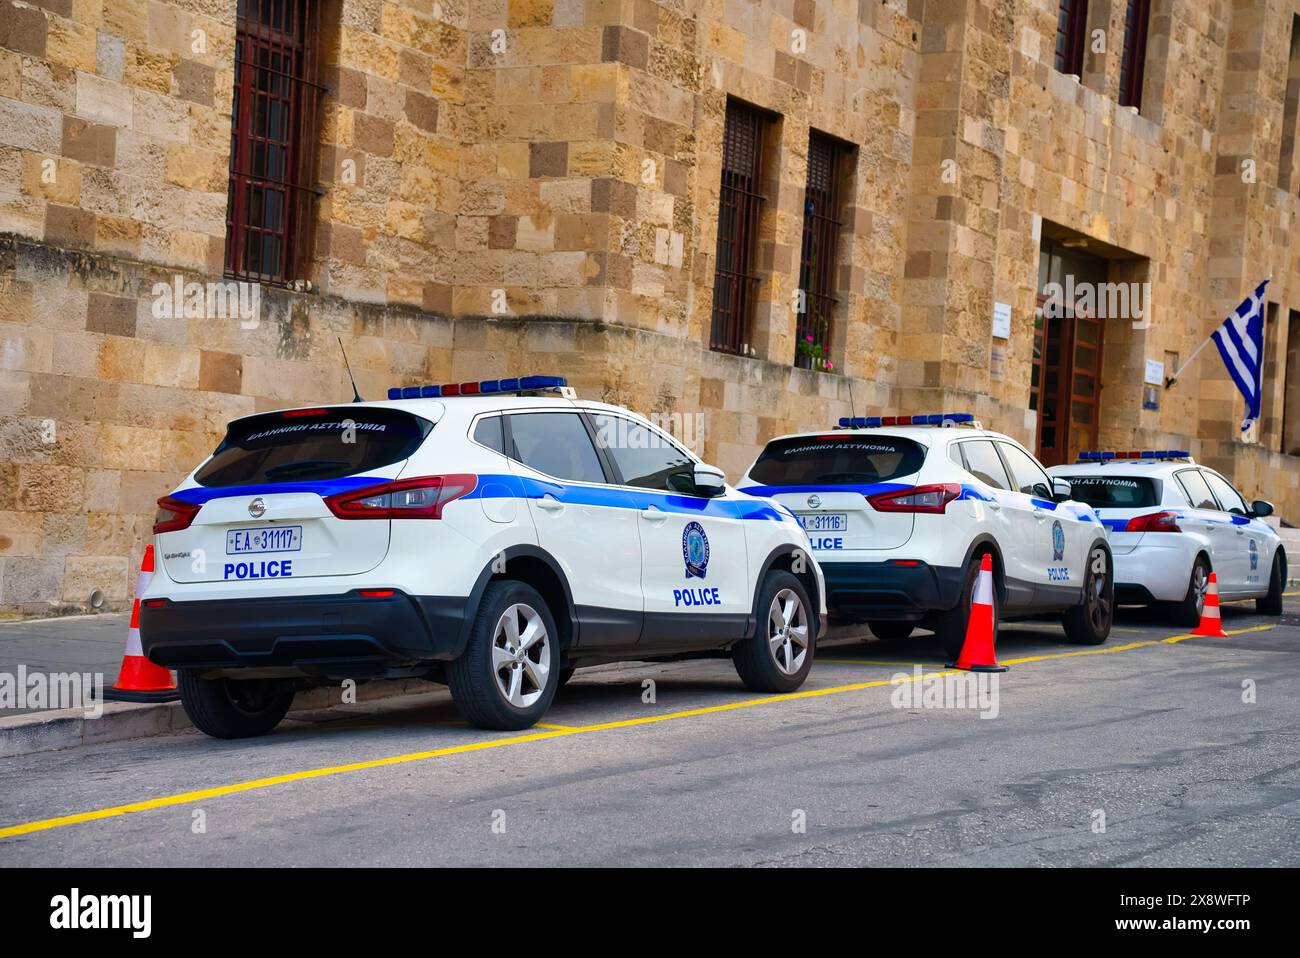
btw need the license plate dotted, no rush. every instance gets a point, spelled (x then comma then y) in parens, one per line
(824, 521)
(263, 539)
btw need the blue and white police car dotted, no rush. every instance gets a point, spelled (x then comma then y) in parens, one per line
(493, 535)
(1171, 523)
(900, 510)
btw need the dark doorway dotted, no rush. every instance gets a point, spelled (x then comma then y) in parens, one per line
(1065, 380)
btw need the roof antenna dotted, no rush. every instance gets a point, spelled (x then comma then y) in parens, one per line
(356, 396)
(852, 411)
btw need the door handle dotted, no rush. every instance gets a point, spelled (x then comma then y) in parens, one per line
(995, 506)
(653, 515)
(550, 503)
(1039, 514)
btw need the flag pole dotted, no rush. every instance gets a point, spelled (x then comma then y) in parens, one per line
(1187, 362)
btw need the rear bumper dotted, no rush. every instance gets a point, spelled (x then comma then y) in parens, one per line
(330, 637)
(887, 591)
(1156, 571)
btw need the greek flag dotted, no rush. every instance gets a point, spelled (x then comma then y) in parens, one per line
(1241, 344)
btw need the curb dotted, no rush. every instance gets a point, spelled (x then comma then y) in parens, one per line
(70, 728)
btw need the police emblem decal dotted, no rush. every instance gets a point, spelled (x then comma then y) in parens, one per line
(1254, 556)
(695, 550)
(1058, 541)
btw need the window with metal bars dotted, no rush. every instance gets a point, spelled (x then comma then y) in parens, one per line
(740, 203)
(272, 138)
(817, 260)
(1132, 65)
(1071, 33)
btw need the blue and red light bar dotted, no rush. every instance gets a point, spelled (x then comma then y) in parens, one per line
(928, 419)
(482, 387)
(1106, 455)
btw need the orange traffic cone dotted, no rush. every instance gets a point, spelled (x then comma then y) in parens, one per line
(977, 651)
(1211, 622)
(139, 679)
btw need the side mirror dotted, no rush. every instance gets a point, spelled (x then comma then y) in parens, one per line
(1061, 490)
(709, 480)
(1261, 508)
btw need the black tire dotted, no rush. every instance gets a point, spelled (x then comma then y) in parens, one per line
(755, 657)
(950, 624)
(481, 697)
(234, 708)
(884, 629)
(1188, 612)
(1271, 604)
(1089, 622)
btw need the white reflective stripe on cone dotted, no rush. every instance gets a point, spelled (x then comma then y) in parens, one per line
(133, 646)
(984, 589)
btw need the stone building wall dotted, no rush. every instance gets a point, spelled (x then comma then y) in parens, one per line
(532, 186)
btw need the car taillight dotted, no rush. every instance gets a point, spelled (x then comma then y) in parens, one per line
(1154, 522)
(421, 498)
(917, 499)
(174, 515)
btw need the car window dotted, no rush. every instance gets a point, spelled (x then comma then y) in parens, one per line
(645, 457)
(488, 433)
(837, 460)
(1228, 497)
(982, 462)
(1027, 475)
(1198, 493)
(311, 445)
(555, 443)
(1113, 492)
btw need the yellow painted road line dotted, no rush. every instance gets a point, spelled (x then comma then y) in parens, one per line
(185, 798)
(555, 728)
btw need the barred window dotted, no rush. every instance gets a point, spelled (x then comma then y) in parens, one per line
(739, 206)
(272, 139)
(1071, 24)
(818, 258)
(1132, 65)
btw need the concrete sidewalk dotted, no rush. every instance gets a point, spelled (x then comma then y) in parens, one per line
(83, 643)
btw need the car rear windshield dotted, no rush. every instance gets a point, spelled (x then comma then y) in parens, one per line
(312, 445)
(837, 460)
(1114, 492)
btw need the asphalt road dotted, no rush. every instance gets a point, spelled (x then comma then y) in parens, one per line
(1153, 734)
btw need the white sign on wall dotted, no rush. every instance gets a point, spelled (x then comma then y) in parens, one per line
(1155, 374)
(1002, 320)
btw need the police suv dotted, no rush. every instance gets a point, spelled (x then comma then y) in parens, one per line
(1172, 523)
(900, 509)
(492, 535)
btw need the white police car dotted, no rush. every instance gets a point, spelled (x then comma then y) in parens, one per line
(494, 535)
(1171, 523)
(900, 509)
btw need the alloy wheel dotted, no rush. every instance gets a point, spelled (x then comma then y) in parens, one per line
(1099, 604)
(787, 631)
(521, 655)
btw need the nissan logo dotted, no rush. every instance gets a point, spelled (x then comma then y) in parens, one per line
(257, 508)
(814, 502)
